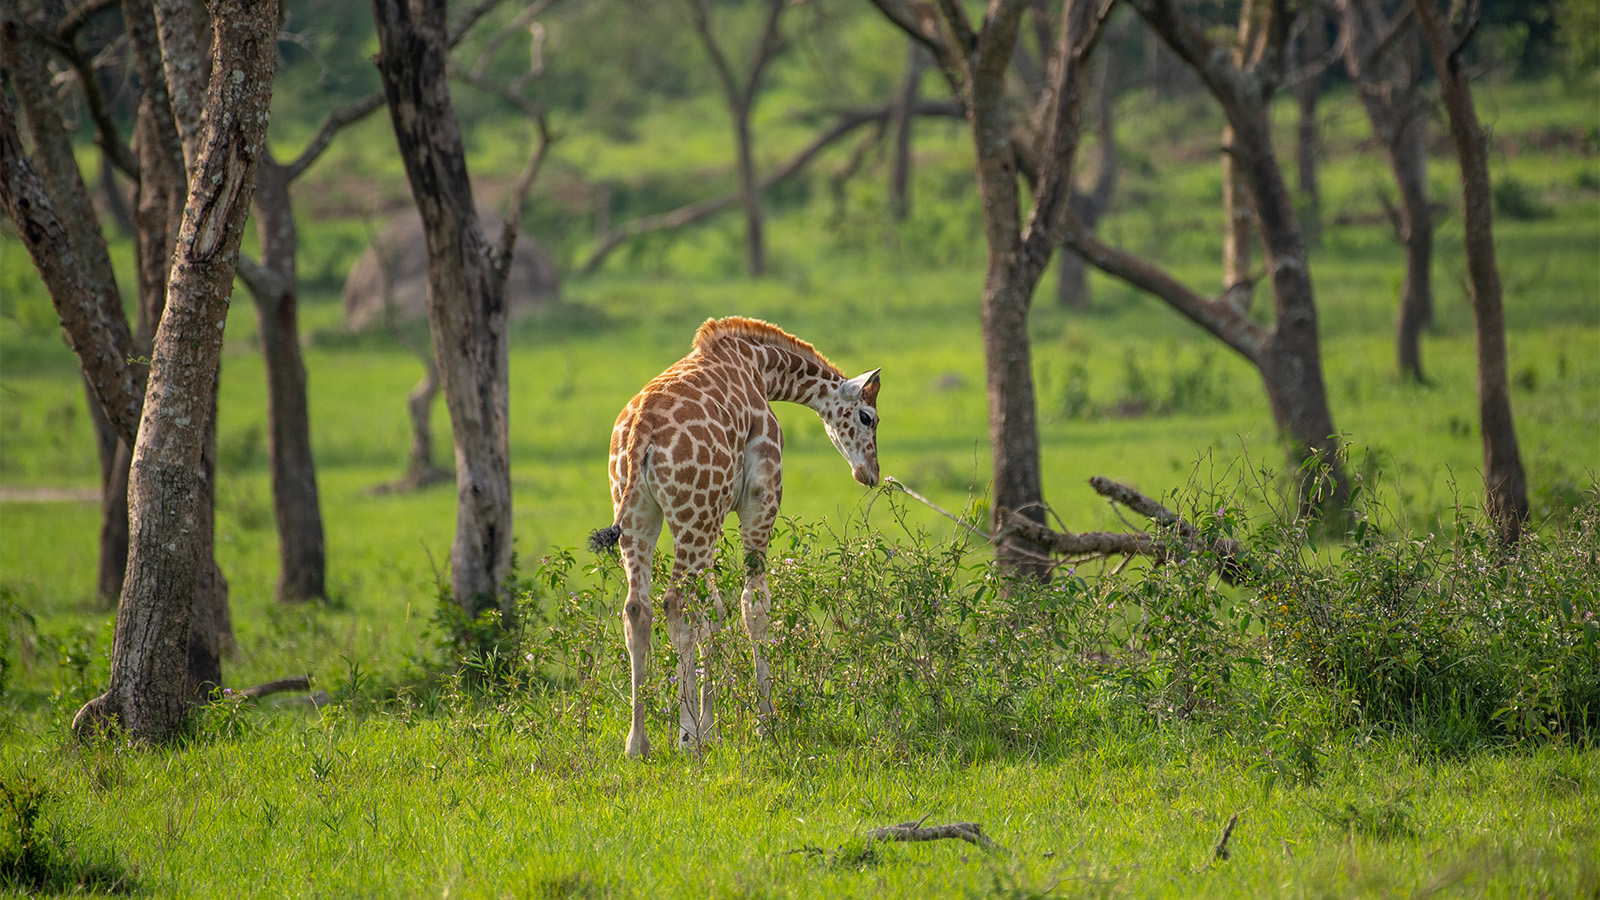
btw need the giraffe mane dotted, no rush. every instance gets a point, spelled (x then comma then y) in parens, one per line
(757, 332)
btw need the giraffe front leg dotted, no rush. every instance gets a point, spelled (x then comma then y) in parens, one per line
(708, 694)
(756, 604)
(683, 637)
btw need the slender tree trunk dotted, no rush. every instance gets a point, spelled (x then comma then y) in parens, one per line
(740, 96)
(1382, 53)
(419, 405)
(975, 62)
(1408, 156)
(159, 213)
(1504, 479)
(1291, 361)
(302, 557)
(115, 457)
(904, 113)
(1072, 280)
(750, 196)
(151, 684)
(76, 268)
(1237, 226)
(1308, 135)
(1289, 356)
(466, 296)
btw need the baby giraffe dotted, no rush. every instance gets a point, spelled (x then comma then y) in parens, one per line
(698, 442)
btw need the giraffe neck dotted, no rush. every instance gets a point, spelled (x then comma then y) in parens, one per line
(795, 378)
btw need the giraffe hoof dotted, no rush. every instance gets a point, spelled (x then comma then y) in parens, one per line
(638, 745)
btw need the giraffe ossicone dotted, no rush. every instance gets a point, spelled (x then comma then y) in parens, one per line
(698, 442)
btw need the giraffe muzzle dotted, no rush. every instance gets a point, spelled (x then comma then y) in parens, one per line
(866, 474)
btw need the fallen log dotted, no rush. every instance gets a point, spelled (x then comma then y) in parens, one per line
(971, 832)
(1181, 541)
(256, 692)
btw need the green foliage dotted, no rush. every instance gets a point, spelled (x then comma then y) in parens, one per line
(1515, 199)
(1386, 820)
(1451, 636)
(38, 856)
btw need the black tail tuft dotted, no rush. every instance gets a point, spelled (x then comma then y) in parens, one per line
(603, 539)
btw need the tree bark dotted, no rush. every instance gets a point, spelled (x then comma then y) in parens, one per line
(150, 689)
(275, 287)
(165, 39)
(419, 406)
(50, 205)
(1504, 480)
(466, 295)
(1237, 226)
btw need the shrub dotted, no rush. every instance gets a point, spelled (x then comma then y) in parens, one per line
(1453, 636)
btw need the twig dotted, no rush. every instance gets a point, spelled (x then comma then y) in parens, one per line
(971, 832)
(256, 692)
(1222, 851)
(891, 480)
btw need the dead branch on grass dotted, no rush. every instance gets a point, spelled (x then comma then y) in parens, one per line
(906, 832)
(282, 685)
(1183, 540)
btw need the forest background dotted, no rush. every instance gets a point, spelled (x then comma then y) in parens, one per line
(1126, 389)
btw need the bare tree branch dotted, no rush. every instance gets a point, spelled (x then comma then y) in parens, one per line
(64, 42)
(699, 210)
(79, 16)
(1240, 332)
(338, 119)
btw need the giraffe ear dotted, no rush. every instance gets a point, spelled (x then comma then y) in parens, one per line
(865, 385)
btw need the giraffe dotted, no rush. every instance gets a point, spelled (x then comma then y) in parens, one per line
(700, 441)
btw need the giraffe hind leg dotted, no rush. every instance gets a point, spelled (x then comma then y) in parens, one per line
(638, 547)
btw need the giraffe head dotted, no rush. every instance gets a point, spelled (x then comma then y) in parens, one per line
(850, 417)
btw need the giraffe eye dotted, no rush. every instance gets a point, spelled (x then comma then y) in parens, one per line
(866, 418)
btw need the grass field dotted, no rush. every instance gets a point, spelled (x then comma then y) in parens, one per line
(415, 782)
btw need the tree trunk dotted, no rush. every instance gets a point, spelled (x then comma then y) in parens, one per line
(1290, 357)
(904, 112)
(419, 406)
(750, 197)
(1504, 479)
(466, 296)
(115, 457)
(740, 96)
(1408, 156)
(1308, 140)
(302, 557)
(159, 215)
(975, 62)
(1383, 57)
(1237, 226)
(1072, 281)
(151, 684)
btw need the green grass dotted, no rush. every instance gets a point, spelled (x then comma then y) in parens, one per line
(479, 806)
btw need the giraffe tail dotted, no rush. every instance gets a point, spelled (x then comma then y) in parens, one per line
(603, 539)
